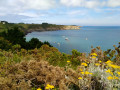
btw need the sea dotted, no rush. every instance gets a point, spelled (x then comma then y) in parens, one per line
(81, 40)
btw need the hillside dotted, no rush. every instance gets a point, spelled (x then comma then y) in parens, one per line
(36, 65)
(48, 69)
(27, 28)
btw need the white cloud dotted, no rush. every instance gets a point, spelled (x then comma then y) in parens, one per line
(17, 6)
(37, 4)
(28, 14)
(91, 3)
(81, 3)
(113, 3)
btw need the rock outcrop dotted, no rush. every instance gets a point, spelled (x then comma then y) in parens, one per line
(53, 28)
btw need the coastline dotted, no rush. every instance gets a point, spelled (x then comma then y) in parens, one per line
(54, 28)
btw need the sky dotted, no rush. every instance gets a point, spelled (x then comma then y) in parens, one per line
(65, 12)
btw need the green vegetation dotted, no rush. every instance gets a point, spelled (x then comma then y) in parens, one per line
(14, 36)
(32, 69)
(35, 65)
(28, 27)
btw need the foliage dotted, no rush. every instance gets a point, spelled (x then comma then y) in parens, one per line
(16, 36)
(5, 44)
(38, 68)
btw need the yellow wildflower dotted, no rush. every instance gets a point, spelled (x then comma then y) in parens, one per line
(39, 89)
(93, 57)
(108, 62)
(68, 61)
(118, 73)
(80, 78)
(94, 54)
(100, 61)
(84, 64)
(81, 70)
(115, 77)
(97, 64)
(91, 73)
(49, 86)
(114, 66)
(110, 78)
(109, 71)
(86, 72)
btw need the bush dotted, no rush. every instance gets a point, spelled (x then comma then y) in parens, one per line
(5, 44)
(16, 37)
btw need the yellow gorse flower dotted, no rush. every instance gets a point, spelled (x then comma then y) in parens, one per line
(118, 73)
(84, 64)
(93, 57)
(93, 54)
(115, 77)
(86, 72)
(81, 70)
(113, 66)
(39, 89)
(68, 61)
(97, 64)
(49, 86)
(80, 78)
(108, 62)
(110, 78)
(109, 71)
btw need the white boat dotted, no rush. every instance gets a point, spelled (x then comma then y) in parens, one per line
(66, 38)
(58, 44)
(86, 38)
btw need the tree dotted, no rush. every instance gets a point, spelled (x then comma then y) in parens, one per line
(34, 43)
(46, 42)
(15, 36)
(5, 44)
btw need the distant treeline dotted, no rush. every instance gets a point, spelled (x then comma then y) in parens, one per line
(15, 38)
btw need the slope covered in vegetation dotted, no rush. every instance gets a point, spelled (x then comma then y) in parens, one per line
(35, 65)
(40, 68)
(27, 28)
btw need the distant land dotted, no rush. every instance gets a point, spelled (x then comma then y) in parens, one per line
(27, 28)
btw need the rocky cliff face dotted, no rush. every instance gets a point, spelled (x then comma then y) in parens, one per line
(71, 27)
(53, 28)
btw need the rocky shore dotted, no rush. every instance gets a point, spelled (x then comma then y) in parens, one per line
(53, 28)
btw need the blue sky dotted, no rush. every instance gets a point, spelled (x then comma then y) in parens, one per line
(67, 12)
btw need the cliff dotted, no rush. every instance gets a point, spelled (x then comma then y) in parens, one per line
(27, 28)
(53, 28)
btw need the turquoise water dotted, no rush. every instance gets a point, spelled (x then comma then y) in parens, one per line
(81, 40)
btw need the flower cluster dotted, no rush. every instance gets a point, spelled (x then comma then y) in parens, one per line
(94, 55)
(84, 64)
(86, 72)
(111, 78)
(39, 89)
(49, 86)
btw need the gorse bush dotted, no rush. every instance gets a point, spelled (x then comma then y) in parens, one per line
(48, 69)
(15, 36)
